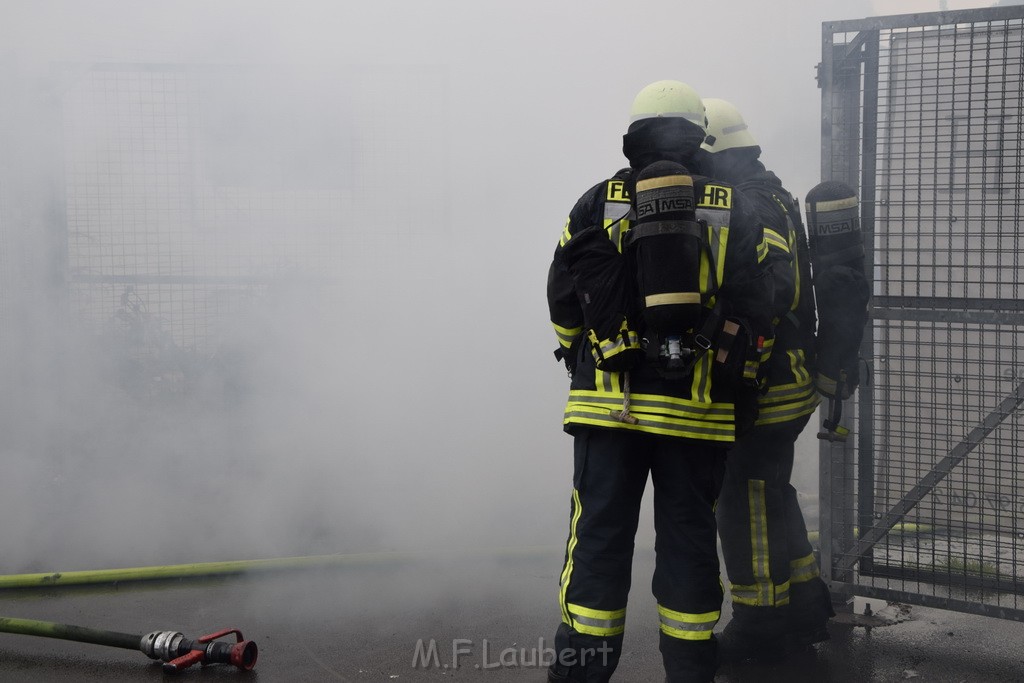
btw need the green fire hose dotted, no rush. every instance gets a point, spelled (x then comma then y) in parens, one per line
(176, 651)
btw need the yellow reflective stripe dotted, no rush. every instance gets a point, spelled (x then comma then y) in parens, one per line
(791, 235)
(566, 235)
(655, 404)
(616, 229)
(700, 387)
(784, 412)
(825, 384)
(613, 380)
(614, 347)
(598, 613)
(798, 365)
(750, 369)
(663, 181)
(724, 433)
(779, 392)
(804, 569)
(774, 239)
(595, 622)
(835, 205)
(723, 240)
(714, 231)
(759, 540)
(764, 595)
(606, 348)
(762, 250)
(566, 335)
(621, 231)
(705, 270)
(672, 298)
(786, 392)
(687, 626)
(577, 510)
(744, 595)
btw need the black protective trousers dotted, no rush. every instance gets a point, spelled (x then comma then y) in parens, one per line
(764, 537)
(611, 468)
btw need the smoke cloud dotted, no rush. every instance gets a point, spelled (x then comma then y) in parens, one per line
(273, 274)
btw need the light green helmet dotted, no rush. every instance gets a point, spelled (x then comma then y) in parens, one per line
(726, 128)
(668, 99)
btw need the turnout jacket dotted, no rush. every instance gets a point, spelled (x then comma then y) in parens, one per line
(703, 405)
(791, 393)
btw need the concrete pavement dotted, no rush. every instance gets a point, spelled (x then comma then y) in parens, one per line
(492, 616)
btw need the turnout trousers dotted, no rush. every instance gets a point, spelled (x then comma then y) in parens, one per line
(768, 558)
(611, 468)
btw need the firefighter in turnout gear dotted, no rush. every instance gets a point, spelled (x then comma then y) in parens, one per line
(660, 297)
(780, 602)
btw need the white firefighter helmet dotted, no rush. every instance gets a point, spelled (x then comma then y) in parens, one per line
(726, 128)
(668, 99)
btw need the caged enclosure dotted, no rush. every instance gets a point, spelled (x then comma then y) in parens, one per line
(925, 115)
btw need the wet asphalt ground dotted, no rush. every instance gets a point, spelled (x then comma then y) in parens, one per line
(493, 617)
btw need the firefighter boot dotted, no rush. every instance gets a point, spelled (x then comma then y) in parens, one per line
(688, 661)
(755, 634)
(581, 658)
(810, 608)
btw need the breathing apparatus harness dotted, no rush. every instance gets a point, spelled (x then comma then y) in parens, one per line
(665, 245)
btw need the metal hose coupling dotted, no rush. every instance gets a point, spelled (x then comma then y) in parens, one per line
(179, 652)
(162, 645)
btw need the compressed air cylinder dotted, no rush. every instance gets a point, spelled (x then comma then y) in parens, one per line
(834, 225)
(841, 287)
(666, 241)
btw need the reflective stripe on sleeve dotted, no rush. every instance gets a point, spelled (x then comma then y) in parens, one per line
(774, 239)
(762, 250)
(566, 235)
(784, 412)
(566, 335)
(804, 569)
(787, 392)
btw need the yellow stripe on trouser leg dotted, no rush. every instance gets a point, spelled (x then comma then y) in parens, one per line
(804, 569)
(577, 510)
(597, 622)
(757, 510)
(763, 592)
(687, 626)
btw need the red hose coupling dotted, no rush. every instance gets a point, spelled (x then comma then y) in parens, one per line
(207, 650)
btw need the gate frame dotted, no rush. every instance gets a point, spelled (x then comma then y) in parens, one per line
(842, 549)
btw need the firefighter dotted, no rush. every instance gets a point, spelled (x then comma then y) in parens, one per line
(660, 297)
(780, 603)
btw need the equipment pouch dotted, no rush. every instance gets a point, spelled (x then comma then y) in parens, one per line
(603, 285)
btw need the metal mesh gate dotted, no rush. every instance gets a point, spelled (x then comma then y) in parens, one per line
(925, 503)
